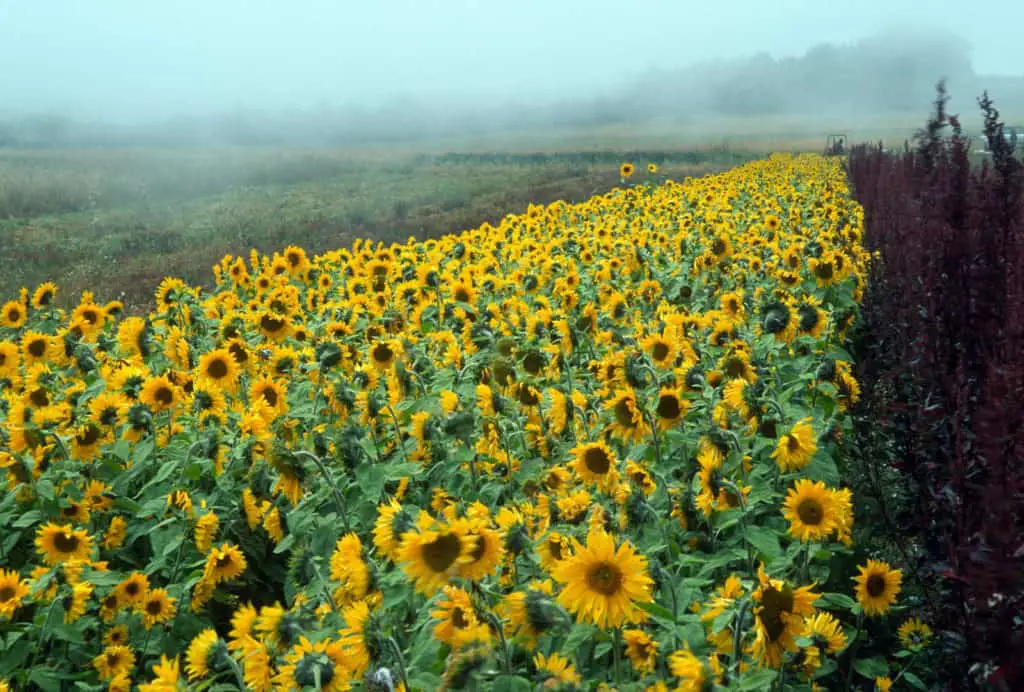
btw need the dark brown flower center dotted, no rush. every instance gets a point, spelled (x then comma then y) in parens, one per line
(442, 552)
(604, 578)
(217, 369)
(876, 585)
(668, 407)
(164, 395)
(6, 593)
(459, 618)
(660, 351)
(154, 607)
(269, 395)
(596, 460)
(66, 542)
(382, 353)
(39, 398)
(624, 413)
(37, 348)
(810, 512)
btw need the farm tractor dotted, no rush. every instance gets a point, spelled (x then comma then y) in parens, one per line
(836, 145)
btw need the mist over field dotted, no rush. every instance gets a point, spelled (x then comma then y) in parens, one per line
(317, 72)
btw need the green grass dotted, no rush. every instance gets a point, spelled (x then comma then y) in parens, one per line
(116, 222)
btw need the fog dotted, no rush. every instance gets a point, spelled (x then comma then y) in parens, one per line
(336, 71)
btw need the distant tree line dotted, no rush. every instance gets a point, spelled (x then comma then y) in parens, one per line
(887, 72)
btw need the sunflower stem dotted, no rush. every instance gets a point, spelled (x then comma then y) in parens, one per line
(806, 571)
(505, 655)
(240, 679)
(42, 634)
(323, 583)
(339, 499)
(316, 397)
(737, 637)
(906, 667)
(400, 660)
(654, 436)
(398, 432)
(617, 657)
(853, 651)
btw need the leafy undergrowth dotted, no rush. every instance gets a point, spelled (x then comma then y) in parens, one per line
(597, 444)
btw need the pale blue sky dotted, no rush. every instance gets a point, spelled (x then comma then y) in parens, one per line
(145, 58)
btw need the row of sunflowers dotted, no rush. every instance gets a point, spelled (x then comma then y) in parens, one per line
(596, 446)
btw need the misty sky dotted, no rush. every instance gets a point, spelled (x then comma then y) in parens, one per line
(137, 59)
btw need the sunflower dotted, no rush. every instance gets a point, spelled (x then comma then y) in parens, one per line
(155, 607)
(393, 522)
(826, 631)
(257, 669)
(159, 393)
(528, 614)
(915, 634)
(76, 605)
(113, 661)
(384, 353)
(778, 617)
(556, 669)
(626, 170)
(809, 510)
(9, 359)
(12, 590)
(167, 676)
(628, 422)
(350, 570)
(661, 350)
(224, 563)
(13, 315)
(132, 588)
(694, 675)
(435, 553)
(641, 650)
(458, 624)
(43, 295)
(36, 348)
(241, 638)
(354, 641)
(877, 587)
(652, 168)
(554, 549)
(219, 367)
(200, 652)
(272, 392)
(670, 409)
(487, 553)
(116, 636)
(324, 664)
(796, 448)
(603, 584)
(206, 531)
(595, 462)
(61, 544)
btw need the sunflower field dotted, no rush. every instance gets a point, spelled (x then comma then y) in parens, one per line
(596, 446)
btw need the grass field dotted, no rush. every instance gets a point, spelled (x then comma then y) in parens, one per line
(118, 221)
